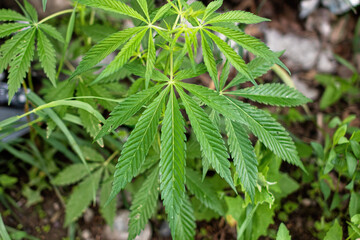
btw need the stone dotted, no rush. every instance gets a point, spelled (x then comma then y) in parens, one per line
(88, 215)
(308, 92)
(326, 62)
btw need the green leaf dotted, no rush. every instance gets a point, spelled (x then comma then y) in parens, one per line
(10, 15)
(283, 233)
(340, 132)
(203, 190)
(3, 233)
(211, 142)
(238, 17)
(151, 57)
(269, 132)
(73, 173)
(9, 28)
(335, 232)
(104, 48)
(224, 74)
(144, 7)
(211, 8)
(190, 73)
(126, 52)
(242, 153)
(355, 146)
(140, 70)
(44, 2)
(273, 94)
(91, 154)
(31, 11)
(209, 59)
(144, 204)
(138, 145)
(47, 56)
(81, 197)
(184, 222)
(113, 6)
(161, 12)
(232, 56)
(127, 109)
(51, 32)
(107, 211)
(172, 161)
(20, 64)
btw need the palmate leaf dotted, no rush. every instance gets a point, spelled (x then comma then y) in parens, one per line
(138, 144)
(209, 59)
(144, 204)
(127, 109)
(242, 153)
(104, 48)
(269, 132)
(126, 52)
(172, 161)
(10, 15)
(273, 94)
(190, 73)
(30, 11)
(161, 12)
(211, 142)
(9, 28)
(51, 32)
(211, 8)
(113, 6)
(151, 57)
(203, 191)
(47, 56)
(235, 60)
(184, 222)
(237, 17)
(20, 64)
(73, 173)
(81, 197)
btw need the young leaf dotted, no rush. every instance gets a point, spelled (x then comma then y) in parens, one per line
(73, 173)
(172, 162)
(104, 48)
(151, 57)
(113, 6)
(107, 211)
(243, 155)
(144, 7)
(144, 204)
(9, 28)
(209, 59)
(10, 15)
(127, 109)
(211, 142)
(161, 12)
(184, 222)
(51, 32)
(232, 56)
(273, 94)
(19, 66)
(203, 191)
(211, 8)
(47, 56)
(237, 16)
(269, 132)
(81, 197)
(224, 74)
(137, 145)
(283, 233)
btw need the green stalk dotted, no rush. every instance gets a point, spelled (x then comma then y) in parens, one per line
(55, 15)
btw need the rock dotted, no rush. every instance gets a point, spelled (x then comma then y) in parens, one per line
(88, 215)
(164, 230)
(307, 7)
(326, 62)
(301, 53)
(86, 235)
(308, 92)
(120, 228)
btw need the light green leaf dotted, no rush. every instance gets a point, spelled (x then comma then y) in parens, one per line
(211, 142)
(238, 17)
(104, 48)
(211, 8)
(44, 2)
(138, 145)
(190, 73)
(3, 233)
(81, 197)
(47, 56)
(140, 70)
(184, 222)
(144, 204)
(113, 6)
(335, 232)
(283, 233)
(107, 211)
(273, 94)
(224, 74)
(339, 133)
(31, 11)
(172, 161)
(209, 59)
(8, 28)
(10, 15)
(91, 154)
(144, 7)
(203, 190)
(51, 32)
(20, 64)
(151, 57)
(242, 153)
(127, 109)
(73, 173)
(161, 12)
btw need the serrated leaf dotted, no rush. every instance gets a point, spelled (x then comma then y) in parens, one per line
(81, 197)
(335, 232)
(211, 142)
(8, 28)
(283, 233)
(73, 173)
(211, 8)
(203, 190)
(224, 74)
(151, 57)
(47, 56)
(31, 11)
(237, 17)
(190, 73)
(20, 64)
(127, 109)
(144, 204)
(140, 70)
(209, 59)
(126, 52)
(184, 222)
(113, 6)
(235, 60)
(144, 7)
(161, 12)
(104, 48)
(269, 132)
(51, 32)
(10, 15)
(273, 94)
(107, 211)
(138, 144)
(242, 153)
(172, 161)
(91, 154)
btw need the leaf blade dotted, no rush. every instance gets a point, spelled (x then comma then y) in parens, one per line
(47, 57)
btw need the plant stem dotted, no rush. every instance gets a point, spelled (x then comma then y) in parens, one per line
(55, 15)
